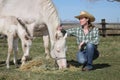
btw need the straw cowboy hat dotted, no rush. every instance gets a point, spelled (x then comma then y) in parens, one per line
(86, 14)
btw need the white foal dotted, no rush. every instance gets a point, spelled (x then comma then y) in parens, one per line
(11, 27)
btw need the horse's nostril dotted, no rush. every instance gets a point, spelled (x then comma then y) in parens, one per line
(58, 50)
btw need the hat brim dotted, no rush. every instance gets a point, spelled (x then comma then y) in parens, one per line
(92, 18)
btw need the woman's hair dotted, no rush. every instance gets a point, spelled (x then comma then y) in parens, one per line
(90, 24)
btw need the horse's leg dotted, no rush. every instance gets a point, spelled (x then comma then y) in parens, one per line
(46, 44)
(15, 48)
(10, 49)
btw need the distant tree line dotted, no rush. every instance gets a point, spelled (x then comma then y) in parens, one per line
(113, 0)
(107, 0)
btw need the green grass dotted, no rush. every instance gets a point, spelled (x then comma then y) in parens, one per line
(107, 66)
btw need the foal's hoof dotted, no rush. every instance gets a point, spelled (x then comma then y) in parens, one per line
(47, 57)
(8, 67)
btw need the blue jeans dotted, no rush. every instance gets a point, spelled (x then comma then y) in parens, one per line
(87, 56)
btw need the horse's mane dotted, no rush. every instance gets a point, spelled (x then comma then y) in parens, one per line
(51, 12)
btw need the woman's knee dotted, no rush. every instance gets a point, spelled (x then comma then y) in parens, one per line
(81, 61)
(81, 58)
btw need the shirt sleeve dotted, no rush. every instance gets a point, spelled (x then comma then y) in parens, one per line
(71, 31)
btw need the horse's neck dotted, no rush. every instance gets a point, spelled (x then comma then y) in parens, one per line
(50, 13)
(51, 17)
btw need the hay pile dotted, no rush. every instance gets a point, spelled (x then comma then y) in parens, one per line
(32, 63)
(43, 65)
(38, 63)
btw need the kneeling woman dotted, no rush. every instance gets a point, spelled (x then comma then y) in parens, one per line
(87, 38)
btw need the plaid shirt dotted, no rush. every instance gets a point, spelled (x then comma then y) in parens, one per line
(91, 37)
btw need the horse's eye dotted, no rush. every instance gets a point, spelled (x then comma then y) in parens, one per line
(25, 45)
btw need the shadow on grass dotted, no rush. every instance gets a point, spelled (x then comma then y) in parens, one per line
(73, 63)
(100, 66)
(3, 63)
(96, 66)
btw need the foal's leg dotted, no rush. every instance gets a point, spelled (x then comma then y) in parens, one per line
(23, 60)
(46, 45)
(10, 49)
(15, 48)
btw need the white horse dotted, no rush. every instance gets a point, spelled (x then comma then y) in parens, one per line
(11, 27)
(33, 13)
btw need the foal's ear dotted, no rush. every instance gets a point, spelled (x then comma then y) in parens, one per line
(26, 37)
(65, 36)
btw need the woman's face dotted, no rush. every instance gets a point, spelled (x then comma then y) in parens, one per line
(83, 21)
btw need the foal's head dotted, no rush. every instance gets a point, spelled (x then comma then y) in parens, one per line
(27, 42)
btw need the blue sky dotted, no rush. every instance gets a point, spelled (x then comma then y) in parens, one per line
(101, 9)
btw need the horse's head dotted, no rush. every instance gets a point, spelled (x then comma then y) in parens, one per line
(59, 50)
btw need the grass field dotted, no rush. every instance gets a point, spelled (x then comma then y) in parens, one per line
(107, 66)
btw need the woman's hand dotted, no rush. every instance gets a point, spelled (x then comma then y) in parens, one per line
(80, 45)
(59, 28)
